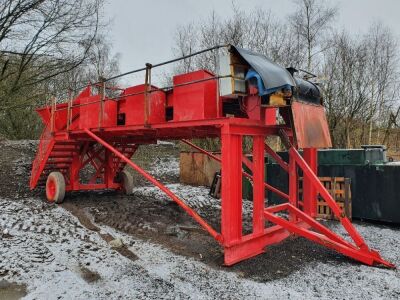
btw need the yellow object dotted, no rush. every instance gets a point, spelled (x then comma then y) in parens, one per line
(277, 99)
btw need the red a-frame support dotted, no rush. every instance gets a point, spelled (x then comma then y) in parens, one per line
(300, 221)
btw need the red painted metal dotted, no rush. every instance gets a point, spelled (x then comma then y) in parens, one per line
(85, 134)
(266, 185)
(270, 116)
(51, 189)
(276, 157)
(89, 113)
(310, 125)
(258, 184)
(309, 191)
(133, 106)
(195, 101)
(162, 187)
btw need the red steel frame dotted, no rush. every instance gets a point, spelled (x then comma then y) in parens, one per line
(231, 131)
(67, 148)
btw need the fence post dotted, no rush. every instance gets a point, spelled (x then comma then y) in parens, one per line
(102, 93)
(52, 117)
(147, 94)
(69, 109)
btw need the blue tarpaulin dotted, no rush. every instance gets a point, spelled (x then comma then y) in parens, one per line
(252, 75)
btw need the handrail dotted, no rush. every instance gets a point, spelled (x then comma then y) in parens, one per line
(159, 64)
(148, 88)
(166, 88)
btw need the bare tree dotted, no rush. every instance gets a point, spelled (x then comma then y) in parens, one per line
(381, 67)
(40, 40)
(357, 71)
(311, 20)
(359, 88)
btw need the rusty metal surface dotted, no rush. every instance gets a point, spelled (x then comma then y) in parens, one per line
(311, 126)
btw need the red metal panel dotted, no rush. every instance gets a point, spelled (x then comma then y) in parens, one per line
(258, 184)
(293, 185)
(231, 194)
(253, 108)
(90, 109)
(311, 126)
(270, 116)
(133, 106)
(309, 191)
(195, 101)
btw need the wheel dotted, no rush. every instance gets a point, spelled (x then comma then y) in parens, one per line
(55, 187)
(127, 182)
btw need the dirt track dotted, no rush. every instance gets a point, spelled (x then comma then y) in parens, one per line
(168, 253)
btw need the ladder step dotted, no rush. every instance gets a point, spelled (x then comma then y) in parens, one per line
(51, 167)
(65, 148)
(67, 143)
(59, 160)
(57, 154)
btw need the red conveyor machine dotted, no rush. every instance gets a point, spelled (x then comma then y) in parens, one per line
(248, 95)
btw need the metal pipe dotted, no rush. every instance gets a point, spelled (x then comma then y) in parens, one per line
(147, 90)
(116, 98)
(52, 117)
(102, 88)
(162, 63)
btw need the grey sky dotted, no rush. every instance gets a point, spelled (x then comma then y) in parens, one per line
(142, 30)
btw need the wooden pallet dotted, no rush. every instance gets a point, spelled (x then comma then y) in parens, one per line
(340, 190)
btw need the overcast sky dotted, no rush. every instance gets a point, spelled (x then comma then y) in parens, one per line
(142, 30)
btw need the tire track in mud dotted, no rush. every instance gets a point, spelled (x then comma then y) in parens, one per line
(26, 231)
(88, 224)
(42, 222)
(37, 227)
(30, 253)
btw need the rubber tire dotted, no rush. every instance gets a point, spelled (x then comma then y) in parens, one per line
(57, 179)
(127, 182)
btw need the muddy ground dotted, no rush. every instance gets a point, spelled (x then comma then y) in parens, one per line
(49, 251)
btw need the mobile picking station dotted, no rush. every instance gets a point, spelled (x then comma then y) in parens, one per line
(249, 97)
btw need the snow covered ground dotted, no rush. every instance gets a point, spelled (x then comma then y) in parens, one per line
(46, 252)
(56, 257)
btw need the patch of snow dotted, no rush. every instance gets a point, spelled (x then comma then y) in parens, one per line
(165, 143)
(165, 166)
(46, 248)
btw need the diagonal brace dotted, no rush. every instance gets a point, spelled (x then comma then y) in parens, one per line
(267, 186)
(162, 187)
(366, 257)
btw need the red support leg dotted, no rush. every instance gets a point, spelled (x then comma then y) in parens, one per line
(258, 184)
(321, 239)
(109, 173)
(293, 185)
(231, 194)
(309, 191)
(74, 172)
(363, 248)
